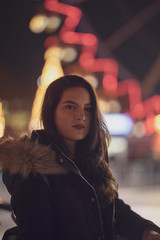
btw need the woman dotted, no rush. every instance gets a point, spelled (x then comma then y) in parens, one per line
(60, 183)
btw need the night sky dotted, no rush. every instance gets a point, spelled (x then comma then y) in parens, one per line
(21, 51)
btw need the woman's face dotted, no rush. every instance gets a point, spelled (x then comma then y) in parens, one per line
(73, 115)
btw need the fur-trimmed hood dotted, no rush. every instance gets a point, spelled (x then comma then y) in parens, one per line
(24, 156)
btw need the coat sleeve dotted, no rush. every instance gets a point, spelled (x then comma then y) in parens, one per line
(33, 207)
(129, 224)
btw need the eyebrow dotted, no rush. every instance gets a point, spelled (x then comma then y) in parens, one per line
(87, 104)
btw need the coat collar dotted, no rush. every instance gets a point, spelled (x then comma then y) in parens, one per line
(24, 156)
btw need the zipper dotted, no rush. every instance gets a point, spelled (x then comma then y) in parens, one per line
(71, 162)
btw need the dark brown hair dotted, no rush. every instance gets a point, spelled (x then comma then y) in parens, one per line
(91, 152)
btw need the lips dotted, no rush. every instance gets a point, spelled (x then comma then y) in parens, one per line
(79, 126)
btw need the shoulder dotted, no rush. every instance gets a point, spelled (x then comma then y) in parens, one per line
(24, 156)
(17, 185)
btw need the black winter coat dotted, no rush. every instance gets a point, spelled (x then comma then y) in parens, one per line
(62, 205)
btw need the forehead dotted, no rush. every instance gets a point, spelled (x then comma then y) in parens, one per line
(76, 94)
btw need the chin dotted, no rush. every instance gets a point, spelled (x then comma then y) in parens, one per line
(80, 138)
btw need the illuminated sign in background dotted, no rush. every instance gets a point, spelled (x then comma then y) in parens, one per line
(118, 123)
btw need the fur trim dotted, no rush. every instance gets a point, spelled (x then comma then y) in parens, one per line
(23, 156)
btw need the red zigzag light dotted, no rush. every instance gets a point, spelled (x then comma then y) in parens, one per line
(138, 109)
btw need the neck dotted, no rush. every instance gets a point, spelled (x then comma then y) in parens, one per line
(71, 145)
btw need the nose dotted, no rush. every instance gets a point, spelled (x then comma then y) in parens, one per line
(80, 115)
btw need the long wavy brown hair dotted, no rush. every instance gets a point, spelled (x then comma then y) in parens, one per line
(91, 152)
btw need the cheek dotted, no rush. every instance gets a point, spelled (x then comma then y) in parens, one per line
(89, 119)
(57, 120)
(59, 126)
(61, 122)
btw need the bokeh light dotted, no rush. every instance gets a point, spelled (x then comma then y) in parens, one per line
(114, 106)
(38, 23)
(157, 123)
(138, 130)
(110, 83)
(118, 123)
(118, 145)
(92, 80)
(51, 71)
(2, 121)
(53, 23)
(104, 106)
(69, 54)
(53, 52)
(148, 124)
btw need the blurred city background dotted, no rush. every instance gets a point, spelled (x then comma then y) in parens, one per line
(115, 45)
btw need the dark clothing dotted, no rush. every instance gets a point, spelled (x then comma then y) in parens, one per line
(68, 209)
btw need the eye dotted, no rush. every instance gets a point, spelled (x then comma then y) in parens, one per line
(70, 107)
(88, 109)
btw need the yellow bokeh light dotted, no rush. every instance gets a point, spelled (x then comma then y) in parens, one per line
(1, 111)
(38, 23)
(2, 124)
(53, 52)
(2, 121)
(51, 71)
(157, 123)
